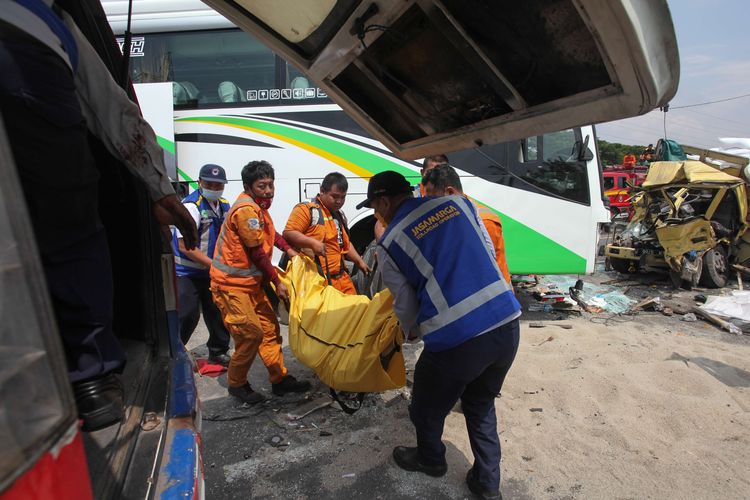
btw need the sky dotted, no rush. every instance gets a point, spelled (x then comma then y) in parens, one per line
(713, 40)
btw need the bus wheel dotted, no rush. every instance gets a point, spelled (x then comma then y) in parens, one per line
(715, 268)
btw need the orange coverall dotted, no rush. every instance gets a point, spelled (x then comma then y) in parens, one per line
(236, 286)
(495, 229)
(326, 229)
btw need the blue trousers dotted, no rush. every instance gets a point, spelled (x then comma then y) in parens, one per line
(79, 280)
(474, 372)
(195, 295)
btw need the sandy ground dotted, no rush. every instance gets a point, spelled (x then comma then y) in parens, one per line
(615, 407)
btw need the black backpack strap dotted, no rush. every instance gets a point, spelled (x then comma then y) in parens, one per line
(349, 410)
(341, 218)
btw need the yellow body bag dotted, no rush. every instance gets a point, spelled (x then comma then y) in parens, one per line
(351, 342)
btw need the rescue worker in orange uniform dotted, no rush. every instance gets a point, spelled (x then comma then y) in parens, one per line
(443, 180)
(628, 161)
(320, 225)
(241, 264)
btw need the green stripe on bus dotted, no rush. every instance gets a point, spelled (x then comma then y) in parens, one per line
(368, 161)
(193, 183)
(165, 144)
(527, 250)
(531, 252)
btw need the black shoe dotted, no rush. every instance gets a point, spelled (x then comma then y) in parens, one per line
(245, 394)
(100, 402)
(474, 487)
(407, 459)
(220, 359)
(290, 384)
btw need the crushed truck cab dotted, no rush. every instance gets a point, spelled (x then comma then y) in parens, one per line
(690, 219)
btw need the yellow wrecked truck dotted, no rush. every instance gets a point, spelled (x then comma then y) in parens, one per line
(690, 219)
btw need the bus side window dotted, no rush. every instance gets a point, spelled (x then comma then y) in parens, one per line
(547, 163)
(208, 67)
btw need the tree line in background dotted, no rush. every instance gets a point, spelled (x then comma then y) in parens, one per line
(611, 153)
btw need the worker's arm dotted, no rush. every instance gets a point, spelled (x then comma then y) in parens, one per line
(296, 225)
(115, 120)
(299, 240)
(282, 245)
(405, 302)
(194, 254)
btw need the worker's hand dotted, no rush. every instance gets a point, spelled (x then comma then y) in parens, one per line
(292, 253)
(362, 265)
(169, 211)
(281, 291)
(319, 248)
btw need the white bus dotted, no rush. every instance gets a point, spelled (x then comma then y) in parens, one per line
(215, 94)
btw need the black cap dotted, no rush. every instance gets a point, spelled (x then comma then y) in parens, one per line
(386, 183)
(213, 173)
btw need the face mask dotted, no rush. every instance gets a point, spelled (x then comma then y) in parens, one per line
(264, 203)
(211, 195)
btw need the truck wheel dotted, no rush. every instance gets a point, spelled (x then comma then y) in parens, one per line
(620, 265)
(715, 268)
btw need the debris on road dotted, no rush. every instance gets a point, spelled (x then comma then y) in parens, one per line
(548, 339)
(652, 303)
(309, 407)
(725, 325)
(539, 324)
(736, 305)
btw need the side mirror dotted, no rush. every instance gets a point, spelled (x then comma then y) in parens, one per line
(581, 150)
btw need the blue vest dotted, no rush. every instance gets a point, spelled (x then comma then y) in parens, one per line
(208, 231)
(439, 247)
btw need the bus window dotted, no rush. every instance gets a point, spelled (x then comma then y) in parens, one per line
(541, 164)
(558, 145)
(216, 68)
(559, 173)
(294, 78)
(208, 67)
